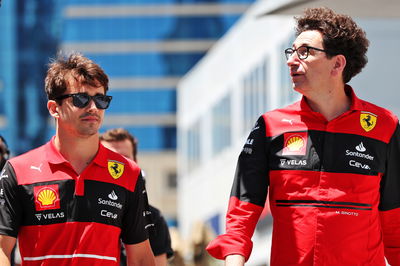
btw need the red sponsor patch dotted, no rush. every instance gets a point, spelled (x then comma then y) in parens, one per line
(295, 143)
(46, 197)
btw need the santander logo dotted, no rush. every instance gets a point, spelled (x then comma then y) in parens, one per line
(361, 147)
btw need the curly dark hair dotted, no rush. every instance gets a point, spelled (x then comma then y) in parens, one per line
(341, 35)
(76, 66)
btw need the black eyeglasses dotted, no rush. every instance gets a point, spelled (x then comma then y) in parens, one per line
(81, 100)
(302, 51)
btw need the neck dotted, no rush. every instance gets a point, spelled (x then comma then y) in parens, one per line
(79, 152)
(330, 103)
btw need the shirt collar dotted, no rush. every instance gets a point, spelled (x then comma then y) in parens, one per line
(55, 157)
(101, 156)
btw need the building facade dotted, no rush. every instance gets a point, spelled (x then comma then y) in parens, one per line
(145, 46)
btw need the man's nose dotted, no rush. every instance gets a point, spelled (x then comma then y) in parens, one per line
(293, 58)
(91, 104)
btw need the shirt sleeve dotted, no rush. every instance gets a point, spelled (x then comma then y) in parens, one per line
(134, 221)
(10, 207)
(390, 201)
(160, 239)
(248, 196)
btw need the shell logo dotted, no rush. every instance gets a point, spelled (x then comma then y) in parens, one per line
(295, 143)
(47, 197)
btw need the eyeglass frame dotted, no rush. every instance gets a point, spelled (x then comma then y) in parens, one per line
(307, 49)
(91, 98)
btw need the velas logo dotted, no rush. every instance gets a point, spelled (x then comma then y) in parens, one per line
(115, 168)
(295, 143)
(46, 197)
(368, 120)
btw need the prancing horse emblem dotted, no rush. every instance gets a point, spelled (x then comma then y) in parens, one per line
(368, 120)
(116, 169)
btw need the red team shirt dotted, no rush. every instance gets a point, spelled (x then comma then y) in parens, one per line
(62, 218)
(334, 187)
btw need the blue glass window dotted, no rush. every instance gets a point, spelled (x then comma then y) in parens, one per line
(143, 101)
(146, 65)
(193, 147)
(221, 125)
(146, 28)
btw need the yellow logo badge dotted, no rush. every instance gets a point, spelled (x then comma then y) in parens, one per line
(47, 197)
(368, 121)
(116, 169)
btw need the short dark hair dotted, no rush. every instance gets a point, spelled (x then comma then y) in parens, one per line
(341, 35)
(120, 134)
(76, 66)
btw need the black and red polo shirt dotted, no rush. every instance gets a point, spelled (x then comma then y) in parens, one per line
(333, 186)
(65, 218)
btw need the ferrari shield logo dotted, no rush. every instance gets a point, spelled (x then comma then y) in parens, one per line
(368, 120)
(116, 169)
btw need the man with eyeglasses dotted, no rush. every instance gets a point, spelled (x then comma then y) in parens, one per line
(330, 162)
(72, 200)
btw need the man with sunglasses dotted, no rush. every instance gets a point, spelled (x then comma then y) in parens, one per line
(330, 162)
(72, 200)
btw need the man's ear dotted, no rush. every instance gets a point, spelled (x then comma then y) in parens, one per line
(52, 106)
(339, 65)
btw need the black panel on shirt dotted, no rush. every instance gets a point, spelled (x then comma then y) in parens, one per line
(251, 177)
(10, 218)
(102, 202)
(332, 152)
(390, 183)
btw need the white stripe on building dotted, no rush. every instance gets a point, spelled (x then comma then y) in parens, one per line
(184, 46)
(140, 83)
(154, 10)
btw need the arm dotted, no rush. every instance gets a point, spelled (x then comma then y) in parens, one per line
(248, 196)
(140, 254)
(7, 243)
(390, 201)
(234, 260)
(161, 260)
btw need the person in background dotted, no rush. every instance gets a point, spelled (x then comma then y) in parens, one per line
(330, 162)
(121, 141)
(4, 152)
(71, 201)
(4, 156)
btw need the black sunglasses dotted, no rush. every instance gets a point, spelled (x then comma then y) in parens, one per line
(81, 100)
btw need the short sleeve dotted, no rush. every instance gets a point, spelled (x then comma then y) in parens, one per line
(160, 239)
(134, 222)
(10, 206)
